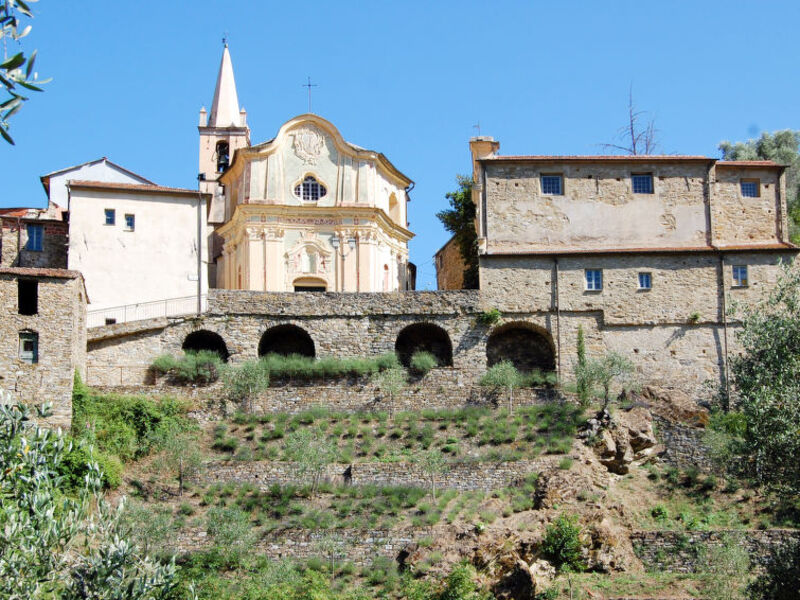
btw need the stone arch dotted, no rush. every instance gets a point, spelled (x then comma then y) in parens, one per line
(203, 339)
(426, 337)
(310, 284)
(527, 346)
(286, 339)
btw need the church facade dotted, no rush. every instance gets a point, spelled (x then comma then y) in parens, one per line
(304, 211)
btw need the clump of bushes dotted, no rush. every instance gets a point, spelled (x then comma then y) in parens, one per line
(296, 366)
(422, 362)
(562, 543)
(202, 367)
(121, 428)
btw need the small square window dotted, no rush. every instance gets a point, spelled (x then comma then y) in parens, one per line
(552, 185)
(29, 347)
(35, 238)
(740, 276)
(27, 296)
(751, 188)
(594, 280)
(645, 281)
(130, 222)
(110, 321)
(111, 216)
(642, 183)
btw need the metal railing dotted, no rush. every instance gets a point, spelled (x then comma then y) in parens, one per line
(171, 307)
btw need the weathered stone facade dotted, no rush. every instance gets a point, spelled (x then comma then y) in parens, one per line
(449, 266)
(40, 352)
(14, 249)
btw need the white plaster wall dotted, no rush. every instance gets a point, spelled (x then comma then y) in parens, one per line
(101, 171)
(154, 262)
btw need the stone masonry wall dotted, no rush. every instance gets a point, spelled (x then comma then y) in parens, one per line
(484, 476)
(14, 237)
(450, 267)
(359, 546)
(444, 388)
(61, 330)
(683, 444)
(683, 552)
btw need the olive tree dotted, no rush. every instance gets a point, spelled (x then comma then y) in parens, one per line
(766, 383)
(312, 451)
(503, 375)
(390, 382)
(58, 545)
(16, 71)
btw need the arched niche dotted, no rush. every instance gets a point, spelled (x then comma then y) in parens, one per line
(285, 340)
(424, 337)
(526, 346)
(203, 339)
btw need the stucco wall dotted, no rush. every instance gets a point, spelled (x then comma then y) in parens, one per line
(156, 261)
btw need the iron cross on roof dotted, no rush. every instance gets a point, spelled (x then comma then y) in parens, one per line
(309, 85)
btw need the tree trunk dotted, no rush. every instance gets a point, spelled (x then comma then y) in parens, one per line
(180, 477)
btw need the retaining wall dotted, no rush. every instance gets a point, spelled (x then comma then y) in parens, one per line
(683, 551)
(486, 476)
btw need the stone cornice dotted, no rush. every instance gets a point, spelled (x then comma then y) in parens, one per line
(287, 217)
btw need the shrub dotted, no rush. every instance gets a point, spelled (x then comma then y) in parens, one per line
(201, 367)
(126, 427)
(422, 362)
(562, 543)
(75, 466)
(489, 317)
(781, 578)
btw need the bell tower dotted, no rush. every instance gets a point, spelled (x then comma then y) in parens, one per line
(222, 132)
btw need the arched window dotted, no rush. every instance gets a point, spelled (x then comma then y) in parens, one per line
(203, 339)
(223, 156)
(524, 345)
(310, 189)
(385, 278)
(285, 340)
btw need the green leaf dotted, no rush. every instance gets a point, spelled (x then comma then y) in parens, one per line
(13, 62)
(5, 135)
(31, 60)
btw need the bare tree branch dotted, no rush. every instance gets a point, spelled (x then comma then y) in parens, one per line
(641, 138)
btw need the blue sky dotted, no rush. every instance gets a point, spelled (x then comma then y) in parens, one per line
(409, 79)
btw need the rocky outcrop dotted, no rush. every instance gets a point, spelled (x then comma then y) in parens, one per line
(621, 439)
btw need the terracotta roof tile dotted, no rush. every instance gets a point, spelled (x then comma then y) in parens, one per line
(41, 272)
(601, 157)
(133, 187)
(748, 163)
(647, 250)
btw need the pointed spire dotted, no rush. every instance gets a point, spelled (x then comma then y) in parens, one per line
(225, 108)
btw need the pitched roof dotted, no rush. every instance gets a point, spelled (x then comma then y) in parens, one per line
(604, 157)
(132, 187)
(45, 179)
(749, 163)
(759, 247)
(225, 107)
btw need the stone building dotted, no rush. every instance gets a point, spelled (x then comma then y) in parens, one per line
(304, 211)
(450, 266)
(42, 336)
(645, 252)
(33, 237)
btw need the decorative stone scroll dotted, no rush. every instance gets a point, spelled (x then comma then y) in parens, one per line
(308, 143)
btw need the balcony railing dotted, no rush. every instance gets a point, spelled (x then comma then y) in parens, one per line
(171, 307)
